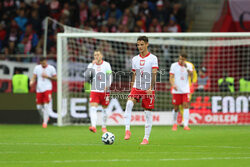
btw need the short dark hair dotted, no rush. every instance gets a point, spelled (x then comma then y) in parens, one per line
(184, 55)
(42, 59)
(143, 38)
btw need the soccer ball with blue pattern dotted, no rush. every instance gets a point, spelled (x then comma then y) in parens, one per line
(108, 138)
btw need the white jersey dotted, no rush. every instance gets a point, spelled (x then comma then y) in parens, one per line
(143, 67)
(44, 84)
(180, 77)
(100, 73)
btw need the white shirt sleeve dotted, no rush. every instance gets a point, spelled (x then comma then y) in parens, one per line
(108, 69)
(171, 69)
(155, 63)
(90, 65)
(133, 64)
(189, 67)
(53, 71)
(35, 70)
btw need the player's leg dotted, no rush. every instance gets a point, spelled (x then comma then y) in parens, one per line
(127, 116)
(39, 104)
(47, 95)
(105, 103)
(46, 109)
(176, 102)
(186, 111)
(94, 103)
(39, 108)
(148, 104)
(181, 109)
(104, 119)
(93, 116)
(175, 115)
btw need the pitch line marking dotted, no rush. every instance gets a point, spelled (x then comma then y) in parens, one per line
(54, 144)
(126, 160)
(82, 152)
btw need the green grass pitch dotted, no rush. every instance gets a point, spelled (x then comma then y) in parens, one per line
(71, 146)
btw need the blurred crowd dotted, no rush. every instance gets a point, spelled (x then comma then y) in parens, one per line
(22, 21)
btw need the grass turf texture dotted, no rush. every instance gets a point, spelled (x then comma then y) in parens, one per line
(31, 145)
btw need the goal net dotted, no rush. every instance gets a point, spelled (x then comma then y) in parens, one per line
(220, 88)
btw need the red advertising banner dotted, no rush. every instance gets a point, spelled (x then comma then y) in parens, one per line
(218, 118)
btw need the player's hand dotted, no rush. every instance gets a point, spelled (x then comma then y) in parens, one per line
(105, 89)
(94, 61)
(185, 65)
(31, 83)
(175, 87)
(149, 91)
(44, 75)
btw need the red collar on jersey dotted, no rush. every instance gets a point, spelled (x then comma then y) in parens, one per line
(100, 63)
(180, 64)
(145, 56)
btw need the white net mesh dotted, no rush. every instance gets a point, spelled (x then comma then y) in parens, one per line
(219, 91)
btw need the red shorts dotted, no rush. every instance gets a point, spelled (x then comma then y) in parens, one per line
(180, 98)
(100, 98)
(43, 97)
(148, 101)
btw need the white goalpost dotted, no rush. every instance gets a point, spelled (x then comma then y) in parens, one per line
(214, 56)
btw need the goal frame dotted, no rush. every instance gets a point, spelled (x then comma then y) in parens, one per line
(60, 36)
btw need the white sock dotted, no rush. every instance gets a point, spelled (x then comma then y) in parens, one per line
(175, 114)
(93, 116)
(127, 115)
(46, 113)
(104, 117)
(40, 109)
(186, 116)
(148, 124)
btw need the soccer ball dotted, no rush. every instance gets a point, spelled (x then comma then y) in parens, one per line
(108, 138)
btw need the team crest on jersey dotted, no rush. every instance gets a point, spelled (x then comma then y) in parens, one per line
(98, 68)
(142, 62)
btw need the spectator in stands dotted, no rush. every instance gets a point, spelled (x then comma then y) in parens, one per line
(20, 82)
(9, 6)
(35, 22)
(155, 26)
(203, 83)
(113, 11)
(2, 35)
(83, 13)
(21, 19)
(172, 26)
(226, 83)
(54, 7)
(104, 16)
(127, 20)
(179, 12)
(111, 24)
(134, 7)
(43, 9)
(147, 12)
(161, 13)
(245, 82)
(29, 39)
(96, 15)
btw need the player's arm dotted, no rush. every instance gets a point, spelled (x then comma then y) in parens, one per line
(109, 77)
(53, 78)
(189, 70)
(33, 80)
(153, 80)
(133, 79)
(172, 81)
